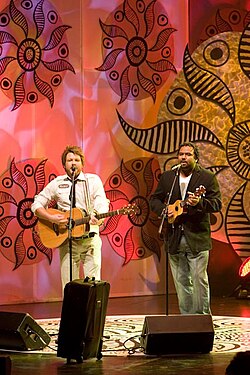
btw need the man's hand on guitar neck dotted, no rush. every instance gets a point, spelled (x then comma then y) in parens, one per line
(94, 220)
(193, 199)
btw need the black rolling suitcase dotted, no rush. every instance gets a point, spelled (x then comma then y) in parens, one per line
(82, 319)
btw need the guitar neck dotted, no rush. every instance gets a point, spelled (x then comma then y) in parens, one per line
(198, 193)
(178, 207)
(86, 219)
(110, 213)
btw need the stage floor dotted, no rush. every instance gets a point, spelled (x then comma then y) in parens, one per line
(213, 363)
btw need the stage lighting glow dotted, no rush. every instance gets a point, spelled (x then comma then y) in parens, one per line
(245, 268)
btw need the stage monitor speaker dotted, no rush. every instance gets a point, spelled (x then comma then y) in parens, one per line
(19, 331)
(176, 334)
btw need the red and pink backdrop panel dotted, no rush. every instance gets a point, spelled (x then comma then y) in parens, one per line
(127, 80)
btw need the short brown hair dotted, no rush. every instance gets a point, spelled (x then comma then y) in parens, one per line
(75, 150)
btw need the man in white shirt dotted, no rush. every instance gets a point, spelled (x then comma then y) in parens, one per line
(88, 195)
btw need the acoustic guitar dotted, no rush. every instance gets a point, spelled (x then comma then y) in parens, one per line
(53, 235)
(179, 206)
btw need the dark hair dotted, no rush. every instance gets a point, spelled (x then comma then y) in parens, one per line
(75, 150)
(193, 146)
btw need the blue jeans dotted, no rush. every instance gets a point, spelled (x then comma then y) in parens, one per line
(191, 280)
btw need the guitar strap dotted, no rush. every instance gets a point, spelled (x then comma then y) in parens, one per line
(87, 195)
(87, 199)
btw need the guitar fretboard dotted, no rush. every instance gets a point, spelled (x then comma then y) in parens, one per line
(86, 219)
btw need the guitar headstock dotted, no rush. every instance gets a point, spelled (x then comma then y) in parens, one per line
(129, 209)
(200, 191)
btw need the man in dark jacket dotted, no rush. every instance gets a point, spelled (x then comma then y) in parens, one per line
(186, 195)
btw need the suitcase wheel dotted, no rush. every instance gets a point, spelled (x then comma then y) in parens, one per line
(78, 360)
(99, 356)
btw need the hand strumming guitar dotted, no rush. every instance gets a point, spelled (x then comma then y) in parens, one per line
(171, 213)
(54, 218)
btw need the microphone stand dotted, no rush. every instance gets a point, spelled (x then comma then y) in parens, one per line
(164, 216)
(70, 224)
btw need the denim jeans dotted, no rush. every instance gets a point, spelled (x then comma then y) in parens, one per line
(191, 280)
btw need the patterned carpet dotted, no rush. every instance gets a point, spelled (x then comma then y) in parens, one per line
(122, 334)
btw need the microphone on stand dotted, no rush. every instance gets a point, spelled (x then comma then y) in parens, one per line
(176, 166)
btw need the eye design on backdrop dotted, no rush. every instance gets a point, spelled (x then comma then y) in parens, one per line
(204, 105)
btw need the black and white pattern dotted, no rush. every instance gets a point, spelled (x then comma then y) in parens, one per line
(122, 334)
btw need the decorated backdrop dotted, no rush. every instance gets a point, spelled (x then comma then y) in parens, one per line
(127, 80)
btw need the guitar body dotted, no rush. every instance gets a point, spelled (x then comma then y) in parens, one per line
(53, 235)
(177, 207)
(180, 206)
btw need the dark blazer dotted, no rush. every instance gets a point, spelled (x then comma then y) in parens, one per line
(196, 221)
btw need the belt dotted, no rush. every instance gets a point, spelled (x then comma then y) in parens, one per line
(90, 235)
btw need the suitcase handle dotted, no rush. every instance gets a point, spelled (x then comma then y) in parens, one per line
(89, 279)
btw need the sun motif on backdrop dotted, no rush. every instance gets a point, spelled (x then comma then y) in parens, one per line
(135, 237)
(223, 20)
(19, 241)
(137, 49)
(209, 103)
(33, 51)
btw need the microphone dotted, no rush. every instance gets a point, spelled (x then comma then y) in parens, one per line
(176, 166)
(73, 168)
